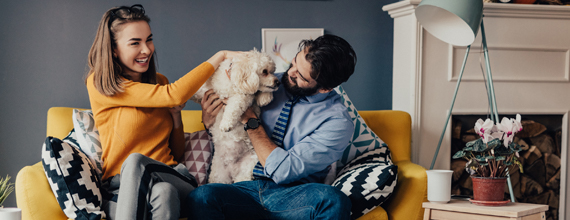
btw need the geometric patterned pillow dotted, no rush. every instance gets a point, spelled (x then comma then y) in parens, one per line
(363, 138)
(88, 137)
(198, 155)
(72, 179)
(368, 181)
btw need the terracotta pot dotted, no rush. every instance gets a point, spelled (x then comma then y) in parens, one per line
(489, 188)
(524, 1)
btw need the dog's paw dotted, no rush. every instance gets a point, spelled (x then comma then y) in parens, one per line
(225, 127)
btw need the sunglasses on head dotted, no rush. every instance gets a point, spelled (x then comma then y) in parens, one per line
(128, 10)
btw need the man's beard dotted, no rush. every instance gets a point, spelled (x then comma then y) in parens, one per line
(295, 89)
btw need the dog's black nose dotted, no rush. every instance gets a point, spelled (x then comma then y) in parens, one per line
(277, 83)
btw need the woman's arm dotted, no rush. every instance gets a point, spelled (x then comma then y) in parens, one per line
(137, 94)
(177, 141)
(176, 115)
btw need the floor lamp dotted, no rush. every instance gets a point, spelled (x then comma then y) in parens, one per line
(457, 22)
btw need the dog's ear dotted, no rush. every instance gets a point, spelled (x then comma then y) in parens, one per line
(244, 77)
(263, 98)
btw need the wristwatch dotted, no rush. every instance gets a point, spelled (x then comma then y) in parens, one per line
(252, 123)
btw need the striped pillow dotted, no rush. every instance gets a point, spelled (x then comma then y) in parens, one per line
(72, 178)
(368, 180)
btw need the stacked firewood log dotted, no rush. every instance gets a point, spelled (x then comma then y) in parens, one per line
(540, 181)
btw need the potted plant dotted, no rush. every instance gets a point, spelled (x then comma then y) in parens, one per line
(5, 189)
(491, 157)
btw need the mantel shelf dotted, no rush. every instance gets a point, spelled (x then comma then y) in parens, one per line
(407, 7)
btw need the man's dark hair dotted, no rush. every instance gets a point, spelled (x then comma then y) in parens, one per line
(332, 60)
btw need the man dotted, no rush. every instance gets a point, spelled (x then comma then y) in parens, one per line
(295, 145)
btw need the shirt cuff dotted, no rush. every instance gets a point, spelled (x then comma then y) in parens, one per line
(274, 160)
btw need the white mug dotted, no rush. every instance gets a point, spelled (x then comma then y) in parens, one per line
(10, 214)
(439, 185)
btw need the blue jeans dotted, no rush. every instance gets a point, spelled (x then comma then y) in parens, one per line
(264, 199)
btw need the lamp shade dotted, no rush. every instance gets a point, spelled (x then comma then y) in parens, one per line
(453, 21)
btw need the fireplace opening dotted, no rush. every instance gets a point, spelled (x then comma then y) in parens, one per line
(540, 155)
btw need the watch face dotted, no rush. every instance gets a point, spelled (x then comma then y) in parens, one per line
(252, 123)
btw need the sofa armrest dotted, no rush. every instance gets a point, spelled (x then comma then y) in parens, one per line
(406, 201)
(378, 213)
(34, 195)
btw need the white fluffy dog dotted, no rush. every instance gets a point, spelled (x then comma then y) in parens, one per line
(245, 80)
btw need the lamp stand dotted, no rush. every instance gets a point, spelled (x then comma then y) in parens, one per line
(490, 97)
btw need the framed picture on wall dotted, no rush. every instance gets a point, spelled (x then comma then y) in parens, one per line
(282, 43)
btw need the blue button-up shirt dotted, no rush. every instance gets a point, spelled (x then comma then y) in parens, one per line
(319, 130)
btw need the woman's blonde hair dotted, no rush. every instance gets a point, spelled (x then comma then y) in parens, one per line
(106, 68)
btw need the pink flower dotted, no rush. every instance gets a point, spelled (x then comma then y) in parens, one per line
(487, 130)
(482, 127)
(510, 127)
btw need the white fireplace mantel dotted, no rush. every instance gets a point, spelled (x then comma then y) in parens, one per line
(529, 50)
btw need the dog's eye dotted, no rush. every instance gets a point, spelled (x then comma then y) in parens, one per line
(265, 72)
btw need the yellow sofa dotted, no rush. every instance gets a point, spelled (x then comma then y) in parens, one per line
(35, 198)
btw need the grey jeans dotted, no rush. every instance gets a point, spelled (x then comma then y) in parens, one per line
(147, 189)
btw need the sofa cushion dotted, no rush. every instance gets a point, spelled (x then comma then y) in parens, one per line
(72, 178)
(368, 180)
(88, 137)
(198, 155)
(363, 138)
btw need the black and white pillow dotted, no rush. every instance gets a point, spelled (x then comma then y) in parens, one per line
(72, 178)
(368, 180)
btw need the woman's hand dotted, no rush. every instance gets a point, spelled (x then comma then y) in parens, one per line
(221, 56)
(211, 106)
(232, 54)
(176, 116)
(177, 109)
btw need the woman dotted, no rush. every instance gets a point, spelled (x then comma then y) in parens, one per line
(138, 116)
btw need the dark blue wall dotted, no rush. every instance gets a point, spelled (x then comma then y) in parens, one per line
(44, 46)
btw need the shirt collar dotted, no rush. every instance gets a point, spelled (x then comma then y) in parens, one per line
(317, 97)
(311, 99)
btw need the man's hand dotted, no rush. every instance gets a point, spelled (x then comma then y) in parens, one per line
(249, 113)
(211, 106)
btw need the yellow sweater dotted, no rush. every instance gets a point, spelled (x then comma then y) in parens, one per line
(138, 120)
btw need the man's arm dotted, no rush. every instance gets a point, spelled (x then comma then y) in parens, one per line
(211, 106)
(310, 155)
(262, 144)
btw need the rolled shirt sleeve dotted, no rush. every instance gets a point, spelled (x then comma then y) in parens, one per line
(312, 154)
(318, 131)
